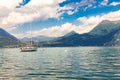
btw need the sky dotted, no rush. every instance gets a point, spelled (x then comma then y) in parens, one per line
(55, 18)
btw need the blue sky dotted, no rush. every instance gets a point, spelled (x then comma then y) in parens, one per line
(55, 17)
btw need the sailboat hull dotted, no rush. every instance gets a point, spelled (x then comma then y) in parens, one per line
(28, 49)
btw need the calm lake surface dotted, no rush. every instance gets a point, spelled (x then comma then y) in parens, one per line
(68, 63)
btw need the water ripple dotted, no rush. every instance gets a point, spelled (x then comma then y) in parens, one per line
(78, 63)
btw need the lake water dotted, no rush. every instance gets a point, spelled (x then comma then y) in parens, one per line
(68, 63)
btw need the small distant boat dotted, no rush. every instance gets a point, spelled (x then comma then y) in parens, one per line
(28, 49)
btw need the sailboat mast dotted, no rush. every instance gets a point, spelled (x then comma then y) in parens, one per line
(30, 33)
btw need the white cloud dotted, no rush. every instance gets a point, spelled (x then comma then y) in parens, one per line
(9, 3)
(35, 9)
(82, 19)
(104, 2)
(53, 31)
(114, 3)
(70, 12)
(88, 23)
(74, 7)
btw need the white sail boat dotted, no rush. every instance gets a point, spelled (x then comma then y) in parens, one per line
(30, 47)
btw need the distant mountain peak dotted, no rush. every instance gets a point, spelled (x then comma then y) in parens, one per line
(70, 33)
(73, 32)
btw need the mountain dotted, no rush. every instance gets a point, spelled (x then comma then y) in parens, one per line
(70, 34)
(105, 27)
(106, 33)
(38, 39)
(7, 39)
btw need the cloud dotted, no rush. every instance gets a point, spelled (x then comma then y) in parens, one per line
(74, 7)
(9, 3)
(70, 12)
(104, 2)
(53, 31)
(88, 23)
(36, 9)
(114, 3)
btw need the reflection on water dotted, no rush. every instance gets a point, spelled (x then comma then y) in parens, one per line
(78, 63)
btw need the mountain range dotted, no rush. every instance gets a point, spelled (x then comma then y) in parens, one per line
(106, 33)
(38, 39)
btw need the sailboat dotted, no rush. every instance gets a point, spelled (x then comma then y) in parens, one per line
(30, 47)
